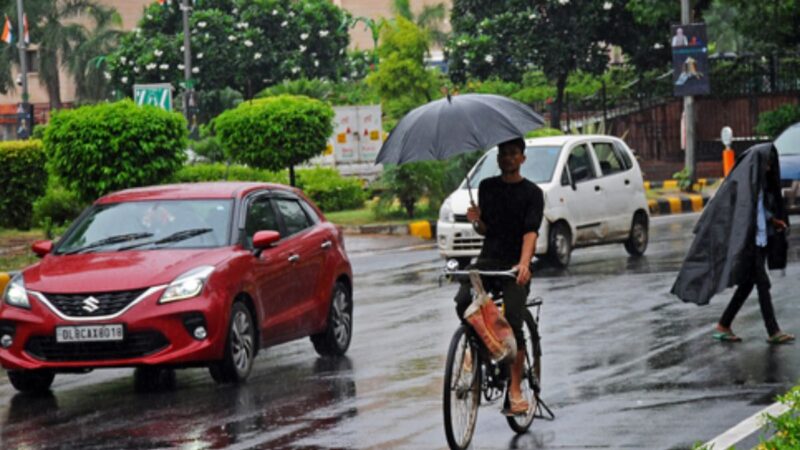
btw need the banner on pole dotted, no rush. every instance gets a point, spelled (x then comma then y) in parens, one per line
(690, 68)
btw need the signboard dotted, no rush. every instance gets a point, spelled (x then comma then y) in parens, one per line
(357, 134)
(690, 68)
(153, 94)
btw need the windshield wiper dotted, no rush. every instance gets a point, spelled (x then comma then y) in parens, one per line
(110, 241)
(174, 237)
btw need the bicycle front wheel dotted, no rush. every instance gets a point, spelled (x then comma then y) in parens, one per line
(532, 373)
(462, 389)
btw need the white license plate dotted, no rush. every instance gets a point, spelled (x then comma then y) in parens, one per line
(90, 333)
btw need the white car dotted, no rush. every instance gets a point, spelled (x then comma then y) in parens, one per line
(593, 194)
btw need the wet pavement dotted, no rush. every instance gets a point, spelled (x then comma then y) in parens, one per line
(625, 365)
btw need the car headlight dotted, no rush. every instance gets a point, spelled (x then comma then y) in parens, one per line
(15, 294)
(186, 286)
(446, 212)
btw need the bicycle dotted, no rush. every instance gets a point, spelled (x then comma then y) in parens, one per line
(463, 388)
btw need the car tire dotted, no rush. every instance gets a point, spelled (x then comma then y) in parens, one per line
(31, 381)
(559, 245)
(335, 340)
(240, 348)
(638, 237)
(152, 379)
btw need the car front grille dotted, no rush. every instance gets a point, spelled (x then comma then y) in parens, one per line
(134, 345)
(467, 243)
(460, 218)
(108, 303)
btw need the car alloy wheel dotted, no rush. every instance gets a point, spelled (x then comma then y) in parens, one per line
(240, 348)
(335, 340)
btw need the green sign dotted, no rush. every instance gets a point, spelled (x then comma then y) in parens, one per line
(153, 94)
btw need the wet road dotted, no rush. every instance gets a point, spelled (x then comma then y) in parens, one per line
(625, 365)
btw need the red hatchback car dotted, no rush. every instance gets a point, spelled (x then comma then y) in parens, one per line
(179, 275)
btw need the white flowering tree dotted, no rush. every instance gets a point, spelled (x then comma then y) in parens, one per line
(241, 44)
(506, 39)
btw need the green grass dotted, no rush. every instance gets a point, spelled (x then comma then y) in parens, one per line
(15, 248)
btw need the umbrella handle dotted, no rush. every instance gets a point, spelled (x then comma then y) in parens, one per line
(469, 190)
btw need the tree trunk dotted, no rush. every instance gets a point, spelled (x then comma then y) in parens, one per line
(555, 116)
(408, 205)
(291, 175)
(54, 93)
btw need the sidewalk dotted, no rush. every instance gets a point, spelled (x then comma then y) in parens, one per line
(678, 203)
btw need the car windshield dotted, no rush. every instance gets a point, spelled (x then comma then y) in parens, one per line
(540, 162)
(149, 225)
(788, 143)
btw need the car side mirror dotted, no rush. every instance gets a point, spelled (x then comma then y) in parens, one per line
(42, 248)
(264, 239)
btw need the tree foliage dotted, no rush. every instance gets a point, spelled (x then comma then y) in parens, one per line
(243, 44)
(274, 133)
(102, 148)
(22, 180)
(506, 39)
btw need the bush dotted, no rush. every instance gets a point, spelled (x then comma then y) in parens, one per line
(106, 147)
(329, 190)
(787, 425)
(275, 132)
(408, 183)
(210, 149)
(771, 123)
(57, 207)
(23, 178)
(220, 172)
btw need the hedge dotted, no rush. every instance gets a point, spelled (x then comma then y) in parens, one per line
(325, 186)
(102, 148)
(23, 179)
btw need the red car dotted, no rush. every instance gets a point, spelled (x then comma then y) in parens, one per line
(176, 276)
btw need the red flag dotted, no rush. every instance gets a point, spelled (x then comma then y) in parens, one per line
(27, 37)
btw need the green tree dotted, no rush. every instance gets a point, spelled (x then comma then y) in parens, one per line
(88, 62)
(559, 37)
(401, 79)
(58, 35)
(770, 27)
(243, 44)
(274, 133)
(430, 19)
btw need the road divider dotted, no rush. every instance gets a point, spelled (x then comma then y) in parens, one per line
(673, 184)
(677, 204)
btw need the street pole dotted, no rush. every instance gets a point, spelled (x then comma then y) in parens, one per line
(688, 109)
(188, 93)
(24, 130)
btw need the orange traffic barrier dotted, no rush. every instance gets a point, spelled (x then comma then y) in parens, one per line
(727, 161)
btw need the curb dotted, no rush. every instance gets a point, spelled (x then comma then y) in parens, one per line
(677, 204)
(424, 229)
(673, 184)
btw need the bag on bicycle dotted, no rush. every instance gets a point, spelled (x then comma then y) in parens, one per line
(489, 323)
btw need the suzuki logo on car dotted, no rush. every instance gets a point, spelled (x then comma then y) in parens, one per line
(90, 304)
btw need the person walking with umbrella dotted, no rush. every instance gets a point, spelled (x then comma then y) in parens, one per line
(509, 212)
(741, 229)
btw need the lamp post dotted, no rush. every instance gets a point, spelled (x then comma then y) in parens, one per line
(189, 101)
(23, 111)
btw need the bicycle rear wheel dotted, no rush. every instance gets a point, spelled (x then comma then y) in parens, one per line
(531, 376)
(462, 389)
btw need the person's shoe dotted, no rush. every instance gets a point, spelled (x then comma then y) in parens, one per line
(516, 406)
(780, 338)
(466, 377)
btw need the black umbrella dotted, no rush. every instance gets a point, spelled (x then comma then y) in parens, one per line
(454, 125)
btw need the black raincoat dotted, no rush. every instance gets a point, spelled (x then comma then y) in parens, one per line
(724, 244)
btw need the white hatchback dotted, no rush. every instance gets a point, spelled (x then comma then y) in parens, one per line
(593, 194)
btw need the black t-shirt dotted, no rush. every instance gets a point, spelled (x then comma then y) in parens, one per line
(509, 211)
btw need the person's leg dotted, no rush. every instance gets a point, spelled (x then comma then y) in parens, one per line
(514, 297)
(463, 298)
(764, 297)
(739, 296)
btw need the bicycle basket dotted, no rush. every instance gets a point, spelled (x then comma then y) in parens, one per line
(490, 325)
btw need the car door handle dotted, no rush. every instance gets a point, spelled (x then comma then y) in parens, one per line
(293, 258)
(326, 245)
(597, 188)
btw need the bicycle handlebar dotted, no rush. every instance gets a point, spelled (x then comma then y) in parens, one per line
(512, 273)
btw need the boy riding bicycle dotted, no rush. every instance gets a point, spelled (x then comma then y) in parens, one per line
(508, 214)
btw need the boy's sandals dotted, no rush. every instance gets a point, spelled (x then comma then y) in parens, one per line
(780, 338)
(724, 336)
(518, 407)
